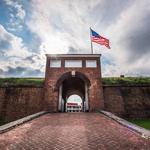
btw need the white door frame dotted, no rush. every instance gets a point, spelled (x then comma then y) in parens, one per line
(61, 101)
(60, 98)
(86, 98)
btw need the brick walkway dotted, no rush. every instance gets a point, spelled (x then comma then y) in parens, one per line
(72, 131)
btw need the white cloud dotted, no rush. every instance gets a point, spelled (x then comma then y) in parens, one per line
(17, 55)
(130, 20)
(14, 55)
(19, 8)
(61, 26)
(66, 24)
(15, 46)
(20, 11)
(16, 17)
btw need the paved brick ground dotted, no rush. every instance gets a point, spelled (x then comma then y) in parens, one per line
(72, 131)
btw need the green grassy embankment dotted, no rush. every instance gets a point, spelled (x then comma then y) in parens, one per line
(21, 81)
(126, 81)
(105, 80)
(145, 123)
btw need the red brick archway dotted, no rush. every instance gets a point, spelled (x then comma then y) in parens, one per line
(83, 78)
(69, 74)
(73, 83)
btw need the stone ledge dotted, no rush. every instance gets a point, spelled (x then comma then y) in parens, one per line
(143, 132)
(8, 126)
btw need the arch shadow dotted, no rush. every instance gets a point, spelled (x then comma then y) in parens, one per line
(68, 75)
(69, 84)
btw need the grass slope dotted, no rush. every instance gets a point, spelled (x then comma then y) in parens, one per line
(126, 81)
(105, 80)
(145, 123)
(21, 81)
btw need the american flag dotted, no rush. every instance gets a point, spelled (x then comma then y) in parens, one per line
(95, 37)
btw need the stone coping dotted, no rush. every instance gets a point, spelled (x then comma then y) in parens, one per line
(8, 126)
(72, 55)
(145, 133)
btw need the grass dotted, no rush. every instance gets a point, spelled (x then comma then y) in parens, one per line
(126, 81)
(105, 81)
(145, 123)
(21, 81)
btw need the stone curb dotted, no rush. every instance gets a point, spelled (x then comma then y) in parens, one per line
(8, 126)
(143, 132)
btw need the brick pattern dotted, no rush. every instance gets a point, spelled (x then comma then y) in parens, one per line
(95, 91)
(128, 101)
(70, 131)
(18, 102)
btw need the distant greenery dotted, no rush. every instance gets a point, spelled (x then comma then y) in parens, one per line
(126, 80)
(105, 80)
(145, 123)
(21, 81)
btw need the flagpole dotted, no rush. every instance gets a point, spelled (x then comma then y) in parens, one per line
(91, 42)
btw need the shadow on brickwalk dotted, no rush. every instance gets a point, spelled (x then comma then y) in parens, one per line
(72, 131)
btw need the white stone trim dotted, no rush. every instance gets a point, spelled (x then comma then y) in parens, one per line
(73, 63)
(91, 64)
(145, 133)
(72, 55)
(55, 63)
(60, 99)
(86, 98)
(11, 125)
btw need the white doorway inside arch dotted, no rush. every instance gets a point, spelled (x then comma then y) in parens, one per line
(74, 103)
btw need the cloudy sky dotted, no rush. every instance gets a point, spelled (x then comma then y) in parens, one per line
(31, 28)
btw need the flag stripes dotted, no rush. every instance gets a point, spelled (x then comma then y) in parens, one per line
(95, 37)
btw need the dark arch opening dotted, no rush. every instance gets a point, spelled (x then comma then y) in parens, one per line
(72, 84)
(68, 74)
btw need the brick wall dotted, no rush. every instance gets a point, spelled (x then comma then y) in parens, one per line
(17, 102)
(128, 101)
(124, 101)
(52, 75)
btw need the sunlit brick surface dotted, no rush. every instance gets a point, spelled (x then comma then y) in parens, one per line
(72, 131)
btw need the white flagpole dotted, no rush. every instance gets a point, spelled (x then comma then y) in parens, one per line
(91, 42)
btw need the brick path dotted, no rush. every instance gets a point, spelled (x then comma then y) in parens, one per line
(72, 131)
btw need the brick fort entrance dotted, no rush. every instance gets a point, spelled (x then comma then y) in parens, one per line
(69, 74)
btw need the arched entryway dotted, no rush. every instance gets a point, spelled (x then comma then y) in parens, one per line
(73, 83)
(74, 103)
